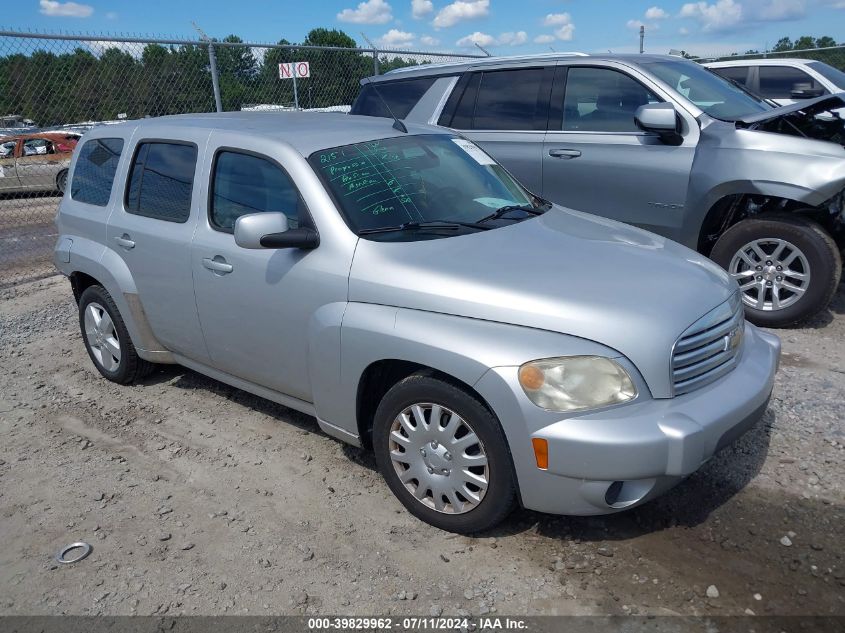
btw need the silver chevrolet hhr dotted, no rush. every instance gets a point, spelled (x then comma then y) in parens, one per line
(400, 286)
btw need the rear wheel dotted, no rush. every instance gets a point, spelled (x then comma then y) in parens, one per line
(61, 181)
(787, 267)
(444, 455)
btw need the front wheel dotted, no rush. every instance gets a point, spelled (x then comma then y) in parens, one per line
(444, 455)
(787, 267)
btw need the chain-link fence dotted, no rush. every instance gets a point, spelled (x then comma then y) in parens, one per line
(54, 87)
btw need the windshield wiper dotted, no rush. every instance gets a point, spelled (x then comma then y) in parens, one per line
(508, 208)
(421, 226)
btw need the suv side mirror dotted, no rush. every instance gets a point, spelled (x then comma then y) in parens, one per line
(270, 230)
(661, 119)
(806, 91)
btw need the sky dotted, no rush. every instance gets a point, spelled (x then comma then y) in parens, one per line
(503, 27)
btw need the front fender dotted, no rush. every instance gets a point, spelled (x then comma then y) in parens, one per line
(460, 347)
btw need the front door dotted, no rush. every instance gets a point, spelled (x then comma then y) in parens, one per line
(39, 164)
(8, 173)
(151, 228)
(595, 159)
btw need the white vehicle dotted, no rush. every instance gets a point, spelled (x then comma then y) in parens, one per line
(783, 81)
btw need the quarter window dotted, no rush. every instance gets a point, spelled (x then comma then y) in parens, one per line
(161, 181)
(400, 96)
(602, 100)
(778, 82)
(95, 168)
(245, 184)
(738, 74)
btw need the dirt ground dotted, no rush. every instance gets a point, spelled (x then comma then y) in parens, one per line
(201, 499)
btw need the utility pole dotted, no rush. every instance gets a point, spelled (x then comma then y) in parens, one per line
(212, 62)
(642, 37)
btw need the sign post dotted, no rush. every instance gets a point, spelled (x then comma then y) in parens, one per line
(292, 70)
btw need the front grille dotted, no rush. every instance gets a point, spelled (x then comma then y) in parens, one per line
(708, 349)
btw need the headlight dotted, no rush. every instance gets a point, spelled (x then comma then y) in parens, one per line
(572, 383)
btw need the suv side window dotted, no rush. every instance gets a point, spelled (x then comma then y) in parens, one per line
(508, 99)
(737, 73)
(245, 183)
(602, 100)
(401, 97)
(95, 168)
(778, 82)
(161, 180)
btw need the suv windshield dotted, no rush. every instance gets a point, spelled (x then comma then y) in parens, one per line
(418, 187)
(715, 95)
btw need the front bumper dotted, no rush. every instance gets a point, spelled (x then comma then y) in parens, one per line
(620, 457)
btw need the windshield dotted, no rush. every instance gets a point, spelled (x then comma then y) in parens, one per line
(833, 75)
(715, 95)
(403, 182)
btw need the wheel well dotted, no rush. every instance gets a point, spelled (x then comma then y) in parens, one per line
(79, 282)
(377, 380)
(733, 208)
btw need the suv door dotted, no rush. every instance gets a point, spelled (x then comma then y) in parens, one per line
(595, 159)
(150, 228)
(505, 112)
(256, 305)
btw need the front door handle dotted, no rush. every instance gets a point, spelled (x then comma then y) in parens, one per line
(125, 241)
(564, 153)
(218, 264)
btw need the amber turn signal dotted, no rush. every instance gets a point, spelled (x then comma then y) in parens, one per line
(531, 378)
(541, 452)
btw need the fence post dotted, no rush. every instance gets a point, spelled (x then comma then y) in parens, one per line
(215, 80)
(375, 62)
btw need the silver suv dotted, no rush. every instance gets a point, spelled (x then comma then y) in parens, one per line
(662, 143)
(403, 289)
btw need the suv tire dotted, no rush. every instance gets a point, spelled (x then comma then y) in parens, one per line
(445, 463)
(752, 250)
(107, 339)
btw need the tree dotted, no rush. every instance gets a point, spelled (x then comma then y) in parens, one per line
(783, 44)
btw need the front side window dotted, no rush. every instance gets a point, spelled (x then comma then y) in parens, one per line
(37, 146)
(244, 184)
(738, 74)
(161, 181)
(713, 94)
(602, 100)
(407, 181)
(400, 97)
(779, 82)
(95, 168)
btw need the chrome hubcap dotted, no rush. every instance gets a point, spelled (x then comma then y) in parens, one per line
(439, 458)
(772, 274)
(102, 337)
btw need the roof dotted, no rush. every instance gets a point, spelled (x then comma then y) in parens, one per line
(757, 61)
(306, 132)
(521, 60)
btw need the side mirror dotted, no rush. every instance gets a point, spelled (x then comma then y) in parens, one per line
(270, 230)
(806, 91)
(661, 119)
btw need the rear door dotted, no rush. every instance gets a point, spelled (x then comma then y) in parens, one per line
(505, 111)
(595, 159)
(151, 229)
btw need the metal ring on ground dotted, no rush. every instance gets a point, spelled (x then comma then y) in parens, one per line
(86, 549)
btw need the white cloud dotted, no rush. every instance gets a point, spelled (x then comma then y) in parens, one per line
(482, 39)
(777, 10)
(427, 40)
(544, 39)
(683, 30)
(655, 13)
(368, 12)
(460, 11)
(634, 25)
(65, 9)
(395, 38)
(421, 8)
(99, 47)
(723, 15)
(556, 19)
(513, 39)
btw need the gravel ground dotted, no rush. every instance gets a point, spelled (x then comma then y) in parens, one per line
(202, 499)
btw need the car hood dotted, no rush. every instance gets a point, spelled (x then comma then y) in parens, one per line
(819, 119)
(564, 271)
(819, 104)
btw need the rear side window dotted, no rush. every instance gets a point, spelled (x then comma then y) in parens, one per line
(401, 96)
(244, 183)
(778, 82)
(508, 99)
(161, 181)
(95, 168)
(738, 73)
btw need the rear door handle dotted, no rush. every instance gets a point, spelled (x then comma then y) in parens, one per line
(125, 242)
(564, 153)
(218, 264)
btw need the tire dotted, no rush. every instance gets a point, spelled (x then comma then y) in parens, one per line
(107, 339)
(816, 252)
(61, 181)
(464, 506)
